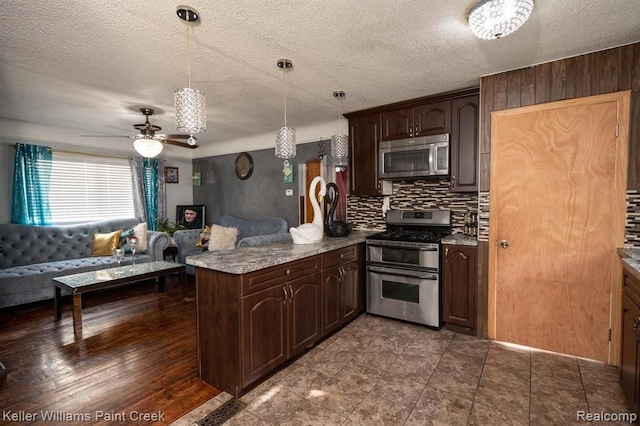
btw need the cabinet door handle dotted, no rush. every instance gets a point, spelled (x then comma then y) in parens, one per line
(284, 299)
(288, 272)
(291, 292)
(453, 182)
(636, 324)
(446, 252)
(416, 130)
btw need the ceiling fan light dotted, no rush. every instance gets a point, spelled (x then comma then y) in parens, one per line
(191, 110)
(492, 19)
(148, 148)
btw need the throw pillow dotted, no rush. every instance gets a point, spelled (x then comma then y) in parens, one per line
(203, 241)
(141, 231)
(222, 238)
(123, 239)
(103, 244)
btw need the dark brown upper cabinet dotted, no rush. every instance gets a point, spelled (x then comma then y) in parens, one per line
(422, 120)
(464, 144)
(364, 135)
(452, 112)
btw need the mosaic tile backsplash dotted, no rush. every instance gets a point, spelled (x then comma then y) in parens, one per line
(632, 227)
(366, 212)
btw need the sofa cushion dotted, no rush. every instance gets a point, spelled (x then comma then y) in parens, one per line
(222, 238)
(103, 244)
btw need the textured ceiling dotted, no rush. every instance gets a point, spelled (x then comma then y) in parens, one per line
(86, 66)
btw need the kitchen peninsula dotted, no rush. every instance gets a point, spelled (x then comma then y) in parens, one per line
(259, 307)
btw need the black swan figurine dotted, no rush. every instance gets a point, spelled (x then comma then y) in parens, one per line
(334, 228)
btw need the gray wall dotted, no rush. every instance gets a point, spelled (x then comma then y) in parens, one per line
(260, 196)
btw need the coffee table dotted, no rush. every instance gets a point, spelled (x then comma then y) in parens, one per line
(106, 278)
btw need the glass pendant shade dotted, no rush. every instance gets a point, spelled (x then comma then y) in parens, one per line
(191, 111)
(147, 147)
(492, 19)
(286, 142)
(285, 136)
(339, 144)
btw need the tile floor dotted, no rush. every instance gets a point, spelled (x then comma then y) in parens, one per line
(378, 371)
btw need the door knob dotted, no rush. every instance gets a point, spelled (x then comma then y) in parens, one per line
(504, 244)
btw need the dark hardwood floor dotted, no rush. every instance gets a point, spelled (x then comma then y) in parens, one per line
(137, 354)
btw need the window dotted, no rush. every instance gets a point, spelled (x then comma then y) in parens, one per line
(87, 188)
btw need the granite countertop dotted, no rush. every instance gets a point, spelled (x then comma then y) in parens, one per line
(460, 240)
(249, 259)
(630, 260)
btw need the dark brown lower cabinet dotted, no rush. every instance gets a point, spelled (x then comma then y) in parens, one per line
(280, 322)
(630, 353)
(342, 287)
(459, 287)
(340, 295)
(250, 324)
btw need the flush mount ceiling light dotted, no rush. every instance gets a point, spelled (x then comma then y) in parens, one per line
(492, 19)
(147, 147)
(191, 111)
(285, 136)
(339, 141)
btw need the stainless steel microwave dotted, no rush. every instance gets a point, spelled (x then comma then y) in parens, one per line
(414, 158)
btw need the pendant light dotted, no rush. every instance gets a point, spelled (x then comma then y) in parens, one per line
(492, 19)
(339, 141)
(285, 136)
(191, 111)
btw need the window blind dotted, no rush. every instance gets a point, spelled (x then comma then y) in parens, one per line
(87, 188)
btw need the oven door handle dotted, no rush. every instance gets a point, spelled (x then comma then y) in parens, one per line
(402, 274)
(401, 247)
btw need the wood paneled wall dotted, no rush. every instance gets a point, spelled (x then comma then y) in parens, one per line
(595, 73)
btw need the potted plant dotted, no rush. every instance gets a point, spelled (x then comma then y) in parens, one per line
(164, 225)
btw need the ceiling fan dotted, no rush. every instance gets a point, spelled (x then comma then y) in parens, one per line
(148, 143)
(148, 131)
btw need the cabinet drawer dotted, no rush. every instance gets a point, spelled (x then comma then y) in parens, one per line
(265, 278)
(339, 256)
(631, 288)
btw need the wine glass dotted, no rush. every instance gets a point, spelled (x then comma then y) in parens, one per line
(118, 253)
(133, 243)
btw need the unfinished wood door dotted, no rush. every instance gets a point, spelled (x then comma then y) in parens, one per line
(558, 180)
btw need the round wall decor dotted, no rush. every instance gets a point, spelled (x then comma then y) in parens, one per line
(244, 165)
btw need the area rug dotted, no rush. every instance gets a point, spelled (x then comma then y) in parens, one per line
(222, 413)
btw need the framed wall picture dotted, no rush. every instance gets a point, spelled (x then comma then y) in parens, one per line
(191, 217)
(171, 175)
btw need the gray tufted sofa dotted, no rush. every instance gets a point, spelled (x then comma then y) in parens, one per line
(251, 232)
(33, 255)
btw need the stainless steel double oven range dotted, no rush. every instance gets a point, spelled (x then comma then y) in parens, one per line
(404, 267)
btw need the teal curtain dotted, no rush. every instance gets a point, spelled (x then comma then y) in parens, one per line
(149, 195)
(31, 184)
